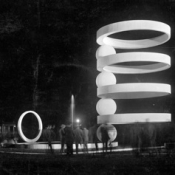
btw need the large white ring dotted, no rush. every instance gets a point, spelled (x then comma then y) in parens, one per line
(133, 118)
(20, 129)
(104, 32)
(133, 90)
(110, 63)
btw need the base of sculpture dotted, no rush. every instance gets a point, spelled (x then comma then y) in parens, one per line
(57, 146)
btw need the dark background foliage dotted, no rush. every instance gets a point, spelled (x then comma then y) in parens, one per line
(47, 53)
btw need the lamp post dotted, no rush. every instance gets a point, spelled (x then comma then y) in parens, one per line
(78, 121)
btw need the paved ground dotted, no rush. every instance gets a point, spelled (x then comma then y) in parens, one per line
(84, 164)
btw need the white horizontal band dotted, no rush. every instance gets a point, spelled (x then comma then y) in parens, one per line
(133, 118)
(158, 62)
(104, 32)
(133, 90)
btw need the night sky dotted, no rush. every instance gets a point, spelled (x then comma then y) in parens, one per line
(47, 53)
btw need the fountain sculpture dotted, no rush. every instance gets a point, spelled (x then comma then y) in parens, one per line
(109, 63)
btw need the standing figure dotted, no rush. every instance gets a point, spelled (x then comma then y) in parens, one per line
(69, 139)
(53, 133)
(104, 138)
(93, 135)
(62, 137)
(78, 133)
(47, 136)
(150, 131)
(137, 137)
(85, 139)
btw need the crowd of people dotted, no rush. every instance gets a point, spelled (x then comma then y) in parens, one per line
(68, 136)
(81, 136)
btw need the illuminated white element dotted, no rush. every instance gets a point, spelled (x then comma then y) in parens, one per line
(78, 120)
(20, 129)
(104, 51)
(133, 90)
(132, 63)
(104, 32)
(72, 109)
(113, 63)
(57, 146)
(106, 106)
(105, 78)
(112, 132)
(133, 118)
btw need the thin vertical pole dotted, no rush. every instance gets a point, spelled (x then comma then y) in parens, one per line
(72, 110)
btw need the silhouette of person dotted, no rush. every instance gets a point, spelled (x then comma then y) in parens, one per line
(104, 137)
(69, 139)
(78, 133)
(93, 135)
(85, 139)
(62, 137)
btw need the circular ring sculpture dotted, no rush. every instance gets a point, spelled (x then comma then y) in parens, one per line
(127, 63)
(112, 63)
(134, 118)
(104, 32)
(20, 129)
(133, 90)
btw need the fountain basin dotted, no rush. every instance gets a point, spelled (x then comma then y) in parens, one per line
(57, 145)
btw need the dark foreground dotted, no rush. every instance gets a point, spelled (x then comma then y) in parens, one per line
(110, 164)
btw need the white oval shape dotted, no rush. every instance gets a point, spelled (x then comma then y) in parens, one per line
(20, 128)
(104, 32)
(115, 63)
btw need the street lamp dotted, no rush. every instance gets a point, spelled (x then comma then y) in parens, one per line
(78, 121)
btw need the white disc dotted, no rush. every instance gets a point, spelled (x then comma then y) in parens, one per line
(105, 78)
(104, 51)
(106, 106)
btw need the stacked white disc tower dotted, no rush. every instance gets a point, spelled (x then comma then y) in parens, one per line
(109, 62)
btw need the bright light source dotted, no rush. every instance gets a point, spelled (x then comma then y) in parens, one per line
(78, 120)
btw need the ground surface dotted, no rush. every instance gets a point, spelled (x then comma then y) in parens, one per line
(111, 163)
